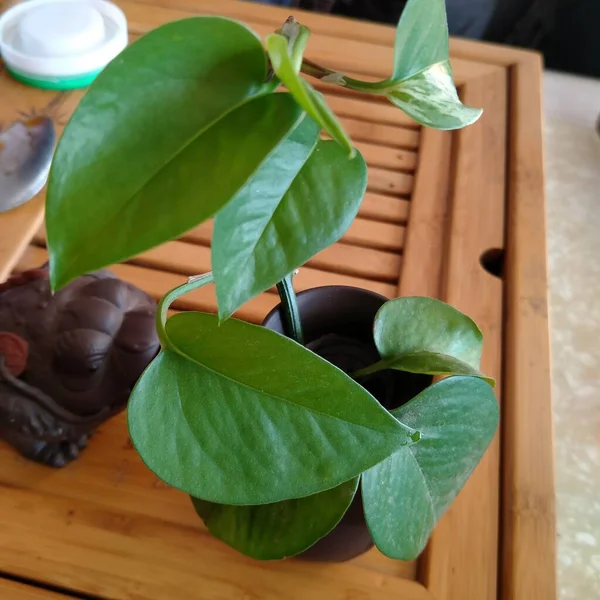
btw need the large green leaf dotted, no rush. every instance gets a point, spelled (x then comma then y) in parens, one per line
(421, 38)
(153, 147)
(284, 217)
(406, 494)
(238, 414)
(310, 100)
(430, 98)
(279, 530)
(425, 335)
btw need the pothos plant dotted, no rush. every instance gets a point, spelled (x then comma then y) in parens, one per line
(269, 439)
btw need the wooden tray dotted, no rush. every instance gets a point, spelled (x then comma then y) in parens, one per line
(437, 203)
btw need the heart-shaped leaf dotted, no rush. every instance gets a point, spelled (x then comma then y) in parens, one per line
(421, 83)
(310, 100)
(154, 146)
(238, 414)
(430, 98)
(405, 495)
(425, 335)
(421, 38)
(275, 531)
(285, 216)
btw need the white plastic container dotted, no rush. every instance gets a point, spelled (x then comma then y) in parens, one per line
(61, 44)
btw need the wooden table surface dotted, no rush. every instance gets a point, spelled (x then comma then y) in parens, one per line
(12, 590)
(438, 203)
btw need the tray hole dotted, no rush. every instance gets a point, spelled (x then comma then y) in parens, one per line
(492, 261)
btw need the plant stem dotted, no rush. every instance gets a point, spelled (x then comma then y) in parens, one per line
(381, 365)
(377, 88)
(162, 309)
(291, 316)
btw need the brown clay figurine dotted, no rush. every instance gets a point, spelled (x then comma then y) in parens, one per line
(68, 362)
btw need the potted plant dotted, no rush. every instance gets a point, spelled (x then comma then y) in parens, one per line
(273, 441)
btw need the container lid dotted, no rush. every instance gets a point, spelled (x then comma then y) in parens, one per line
(61, 43)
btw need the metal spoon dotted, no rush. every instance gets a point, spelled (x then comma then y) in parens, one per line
(26, 150)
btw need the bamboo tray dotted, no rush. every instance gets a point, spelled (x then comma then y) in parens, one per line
(442, 210)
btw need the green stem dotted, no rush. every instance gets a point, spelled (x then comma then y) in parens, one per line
(291, 316)
(165, 302)
(381, 365)
(377, 88)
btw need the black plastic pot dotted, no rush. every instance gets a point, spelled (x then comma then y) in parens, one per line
(338, 325)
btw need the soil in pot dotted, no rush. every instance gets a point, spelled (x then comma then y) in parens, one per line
(337, 322)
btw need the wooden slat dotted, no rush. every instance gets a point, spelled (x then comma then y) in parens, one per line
(349, 29)
(157, 283)
(13, 590)
(380, 207)
(339, 259)
(131, 552)
(370, 234)
(388, 158)
(425, 243)
(528, 519)
(394, 183)
(354, 54)
(18, 226)
(468, 533)
(384, 135)
(365, 108)
(360, 262)
(101, 473)
(190, 259)
(112, 471)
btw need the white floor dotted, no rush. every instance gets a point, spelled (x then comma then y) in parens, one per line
(573, 197)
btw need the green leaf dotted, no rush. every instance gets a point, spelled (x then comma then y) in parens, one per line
(431, 363)
(310, 100)
(156, 145)
(430, 98)
(238, 414)
(284, 217)
(421, 83)
(405, 495)
(421, 38)
(425, 335)
(279, 530)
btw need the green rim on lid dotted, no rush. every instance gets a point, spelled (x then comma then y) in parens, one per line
(64, 84)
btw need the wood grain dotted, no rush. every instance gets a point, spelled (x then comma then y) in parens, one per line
(12, 590)
(383, 135)
(363, 233)
(425, 239)
(143, 539)
(468, 533)
(342, 264)
(473, 52)
(106, 527)
(528, 519)
(158, 283)
(370, 57)
(388, 158)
